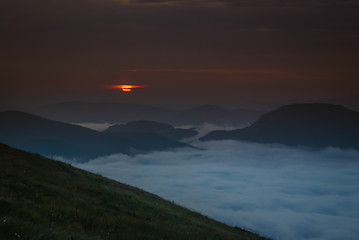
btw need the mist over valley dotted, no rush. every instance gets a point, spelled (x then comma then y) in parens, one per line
(276, 191)
(285, 187)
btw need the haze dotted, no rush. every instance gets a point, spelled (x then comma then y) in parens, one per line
(259, 54)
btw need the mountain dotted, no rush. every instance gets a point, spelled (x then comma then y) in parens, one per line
(45, 199)
(313, 125)
(144, 126)
(218, 115)
(82, 112)
(53, 138)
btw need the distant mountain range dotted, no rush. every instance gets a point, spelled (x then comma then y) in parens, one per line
(311, 125)
(144, 126)
(218, 115)
(82, 112)
(46, 199)
(53, 138)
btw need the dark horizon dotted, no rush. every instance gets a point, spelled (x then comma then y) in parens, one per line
(264, 106)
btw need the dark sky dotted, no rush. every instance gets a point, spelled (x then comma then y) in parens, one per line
(243, 53)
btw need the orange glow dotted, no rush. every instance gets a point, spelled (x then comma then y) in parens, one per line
(126, 88)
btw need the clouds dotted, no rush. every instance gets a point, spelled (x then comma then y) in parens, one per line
(279, 192)
(71, 43)
(95, 126)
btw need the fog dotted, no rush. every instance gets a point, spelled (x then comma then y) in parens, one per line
(279, 192)
(95, 126)
(206, 128)
(202, 129)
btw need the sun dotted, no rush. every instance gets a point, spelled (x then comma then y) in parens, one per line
(127, 88)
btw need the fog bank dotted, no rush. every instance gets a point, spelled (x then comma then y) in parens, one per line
(280, 192)
(95, 126)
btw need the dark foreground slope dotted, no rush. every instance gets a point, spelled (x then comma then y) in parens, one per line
(314, 125)
(46, 199)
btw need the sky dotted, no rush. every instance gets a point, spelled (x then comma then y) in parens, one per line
(242, 53)
(279, 192)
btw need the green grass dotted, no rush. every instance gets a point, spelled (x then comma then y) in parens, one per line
(45, 199)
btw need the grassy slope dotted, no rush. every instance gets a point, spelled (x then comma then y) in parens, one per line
(46, 199)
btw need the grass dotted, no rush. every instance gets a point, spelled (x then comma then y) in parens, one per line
(46, 199)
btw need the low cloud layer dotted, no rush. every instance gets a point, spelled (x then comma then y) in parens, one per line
(206, 128)
(278, 192)
(95, 126)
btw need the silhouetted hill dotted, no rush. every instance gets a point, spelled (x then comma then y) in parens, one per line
(144, 126)
(82, 112)
(46, 199)
(313, 125)
(218, 115)
(52, 138)
(150, 141)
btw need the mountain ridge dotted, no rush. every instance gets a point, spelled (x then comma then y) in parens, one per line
(159, 128)
(314, 125)
(54, 138)
(81, 112)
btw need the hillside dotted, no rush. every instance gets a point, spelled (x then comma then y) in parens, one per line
(45, 199)
(217, 115)
(145, 126)
(313, 125)
(80, 112)
(53, 138)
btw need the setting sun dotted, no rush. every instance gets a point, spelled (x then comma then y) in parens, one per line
(126, 88)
